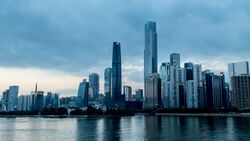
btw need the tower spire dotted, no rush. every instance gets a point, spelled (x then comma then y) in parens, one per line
(36, 88)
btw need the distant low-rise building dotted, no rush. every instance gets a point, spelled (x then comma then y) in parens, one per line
(68, 101)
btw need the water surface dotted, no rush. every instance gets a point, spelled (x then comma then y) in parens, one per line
(149, 128)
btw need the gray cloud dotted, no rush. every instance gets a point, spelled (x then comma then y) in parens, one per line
(76, 36)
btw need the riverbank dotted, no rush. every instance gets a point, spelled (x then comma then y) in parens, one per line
(205, 114)
(136, 114)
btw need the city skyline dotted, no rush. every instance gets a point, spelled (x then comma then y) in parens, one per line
(27, 59)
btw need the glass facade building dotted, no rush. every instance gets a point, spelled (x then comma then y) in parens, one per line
(83, 94)
(116, 92)
(241, 91)
(153, 97)
(175, 59)
(93, 87)
(150, 52)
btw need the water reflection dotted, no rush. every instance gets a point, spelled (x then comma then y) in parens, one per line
(125, 128)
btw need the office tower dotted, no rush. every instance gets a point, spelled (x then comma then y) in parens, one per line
(20, 103)
(225, 101)
(153, 91)
(150, 51)
(165, 78)
(93, 87)
(197, 76)
(107, 87)
(48, 100)
(175, 59)
(36, 100)
(191, 95)
(83, 94)
(52, 100)
(127, 91)
(33, 99)
(107, 80)
(23, 103)
(214, 90)
(172, 88)
(172, 80)
(181, 87)
(5, 100)
(139, 94)
(116, 92)
(164, 72)
(194, 95)
(237, 69)
(39, 101)
(228, 97)
(241, 91)
(10, 99)
(13, 98)
(189, 71)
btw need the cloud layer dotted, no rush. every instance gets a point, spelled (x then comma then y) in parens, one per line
(76, 37)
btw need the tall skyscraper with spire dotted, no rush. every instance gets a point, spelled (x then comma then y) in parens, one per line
(150, 66)
(150, 52)
(116, 75)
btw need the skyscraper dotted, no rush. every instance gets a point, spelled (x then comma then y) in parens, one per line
(150, 61)
(52, 100)
(93, 86)
(214, 90)
(139, 94)
(107, 86)
(189, 75)
(241, 91)
(116, 75)
(13, 98)
(83, 94)
(107, 80)
(39, 100)
(194, 87)
(127, 91)
(5, 100)
(23, 103)
(153, 97)
(237, 69)
(150, 51)
(175, 59)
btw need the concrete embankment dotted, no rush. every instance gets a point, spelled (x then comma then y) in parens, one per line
(205, 114)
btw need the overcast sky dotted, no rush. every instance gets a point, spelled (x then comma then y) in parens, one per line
(57, 43)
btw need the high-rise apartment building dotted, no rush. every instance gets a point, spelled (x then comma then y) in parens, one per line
(93, 87)
(237, 69)
(241, 91)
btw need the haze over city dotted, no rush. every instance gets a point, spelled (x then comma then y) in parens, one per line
(58, 43)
